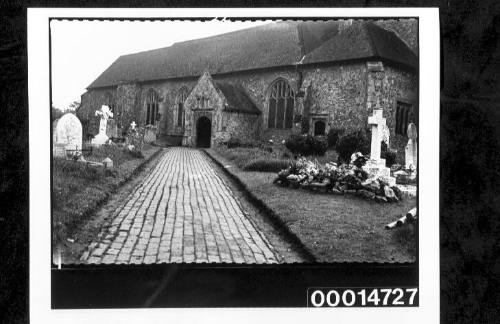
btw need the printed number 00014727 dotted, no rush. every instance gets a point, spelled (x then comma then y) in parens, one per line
(359, 297)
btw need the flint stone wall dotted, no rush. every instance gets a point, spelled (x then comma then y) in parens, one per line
(168, 92)
(195, 108)
(235, 125)
(90, 102)
(397, 85)
(344, 93)
(339, 92)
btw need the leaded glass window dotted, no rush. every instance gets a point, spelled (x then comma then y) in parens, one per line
(183, 93)
(281, 104)
(151, 108)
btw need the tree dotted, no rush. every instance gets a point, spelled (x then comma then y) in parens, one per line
(73, 107)
(55, 113)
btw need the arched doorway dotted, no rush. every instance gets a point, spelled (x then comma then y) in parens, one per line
(319, 128)
(203, 132)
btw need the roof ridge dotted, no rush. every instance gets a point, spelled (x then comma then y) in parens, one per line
(372, 27)
(225, 34)
(270, 45)
(373, 44)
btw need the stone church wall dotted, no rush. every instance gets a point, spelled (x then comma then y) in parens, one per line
(168, 92)
(196, 107)
(127, 98)
(236, 125)
(257, 85)
(397, 85)
(339, 92)
(90, 102)
(347, 95)
(342, 95)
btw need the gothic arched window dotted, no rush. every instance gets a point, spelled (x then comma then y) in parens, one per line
(281, 103)
(183, 93)
(151, 107)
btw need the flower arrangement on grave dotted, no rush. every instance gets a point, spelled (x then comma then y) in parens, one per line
(337, 179)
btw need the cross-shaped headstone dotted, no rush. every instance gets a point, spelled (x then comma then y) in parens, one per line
(133, 124)
(105, 113)
(377, 122)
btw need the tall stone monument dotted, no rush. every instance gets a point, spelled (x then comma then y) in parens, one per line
(105, 114)
(411, 147)
(375, 166)
(66, 135)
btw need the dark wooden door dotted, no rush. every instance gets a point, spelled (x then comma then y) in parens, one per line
(203, 132)
(319, 128)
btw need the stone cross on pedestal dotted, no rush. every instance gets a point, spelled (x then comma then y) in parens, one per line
(105, 114)
(375, 167)
(377, 122)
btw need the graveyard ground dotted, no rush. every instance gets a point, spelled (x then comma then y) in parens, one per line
(334, 228)
(78, 190)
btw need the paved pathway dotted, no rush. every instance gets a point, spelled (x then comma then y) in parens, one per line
(181, 212)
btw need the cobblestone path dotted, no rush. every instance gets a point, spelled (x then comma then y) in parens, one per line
(181, 212)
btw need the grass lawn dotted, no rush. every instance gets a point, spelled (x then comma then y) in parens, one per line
(334, 228)
(78, 189)
(273, 159)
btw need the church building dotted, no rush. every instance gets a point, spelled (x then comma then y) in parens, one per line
(265, 82)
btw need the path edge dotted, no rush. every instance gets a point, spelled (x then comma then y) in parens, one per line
(303, 250)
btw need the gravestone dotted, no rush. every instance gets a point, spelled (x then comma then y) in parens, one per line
(105, 114)
(150, 134)
(375, 166)
(66, 135)
(411, 147)
(107, 162)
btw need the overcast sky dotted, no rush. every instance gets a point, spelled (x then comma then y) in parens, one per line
(82, 50)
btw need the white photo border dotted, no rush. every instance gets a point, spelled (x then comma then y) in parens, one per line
(39, 138)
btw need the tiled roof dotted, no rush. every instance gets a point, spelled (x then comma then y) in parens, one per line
(363, 40)
(270, 45)
(237, 99)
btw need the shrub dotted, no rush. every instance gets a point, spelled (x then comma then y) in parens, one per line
(294, 143)
(320, 145)
(307, 144)
(388, 154)
(267, 165)
(234, 142)
(304, 125)
(350, 143)
(136, 154)
(390, 157)
(333, 136)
